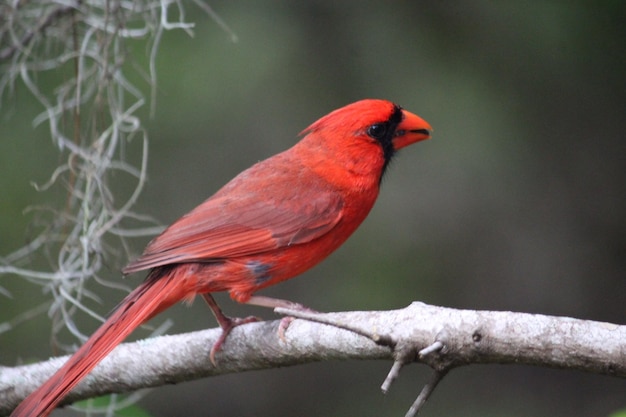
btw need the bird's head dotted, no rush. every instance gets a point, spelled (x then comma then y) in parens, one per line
(369, 131)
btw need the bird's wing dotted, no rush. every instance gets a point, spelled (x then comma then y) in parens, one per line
(226, 226)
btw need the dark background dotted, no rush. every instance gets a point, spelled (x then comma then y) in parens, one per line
(517, 203)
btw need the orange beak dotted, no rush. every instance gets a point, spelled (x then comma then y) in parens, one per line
(412, 129)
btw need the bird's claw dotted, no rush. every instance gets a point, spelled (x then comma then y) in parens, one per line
(283, 326)
(227, 326)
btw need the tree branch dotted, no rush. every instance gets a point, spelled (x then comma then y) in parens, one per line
(464, 337)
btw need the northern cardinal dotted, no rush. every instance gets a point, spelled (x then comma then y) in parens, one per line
(270, 223)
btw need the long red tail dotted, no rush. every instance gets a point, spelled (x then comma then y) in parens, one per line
(156, 294)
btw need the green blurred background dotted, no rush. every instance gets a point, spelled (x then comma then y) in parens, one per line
(517, 203)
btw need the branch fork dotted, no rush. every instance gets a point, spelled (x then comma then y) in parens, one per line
(405, 351)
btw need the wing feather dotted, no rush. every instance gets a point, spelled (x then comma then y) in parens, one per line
(225, 226)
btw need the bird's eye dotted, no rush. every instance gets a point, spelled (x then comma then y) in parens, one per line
(377, 131)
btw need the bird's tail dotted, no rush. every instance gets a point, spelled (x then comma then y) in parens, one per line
(158, 292)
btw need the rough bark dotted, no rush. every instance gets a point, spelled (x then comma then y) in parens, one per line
(465, 337)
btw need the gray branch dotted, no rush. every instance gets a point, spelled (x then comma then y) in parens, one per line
(464, 337)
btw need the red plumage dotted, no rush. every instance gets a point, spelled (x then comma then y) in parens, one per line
(270, 223)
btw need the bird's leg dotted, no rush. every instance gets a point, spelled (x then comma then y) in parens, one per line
(226, 323)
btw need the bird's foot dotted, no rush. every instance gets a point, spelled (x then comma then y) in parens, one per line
(228, 324)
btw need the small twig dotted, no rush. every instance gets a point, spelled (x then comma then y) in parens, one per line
(379, 339)
(435, 347)
(428, 389)
(393, 374)
(404, 356)
(407, 355)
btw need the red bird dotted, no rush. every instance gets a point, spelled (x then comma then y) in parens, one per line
(270, 223)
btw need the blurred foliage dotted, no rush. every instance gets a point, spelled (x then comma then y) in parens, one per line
(517, 203)
(619, 413)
